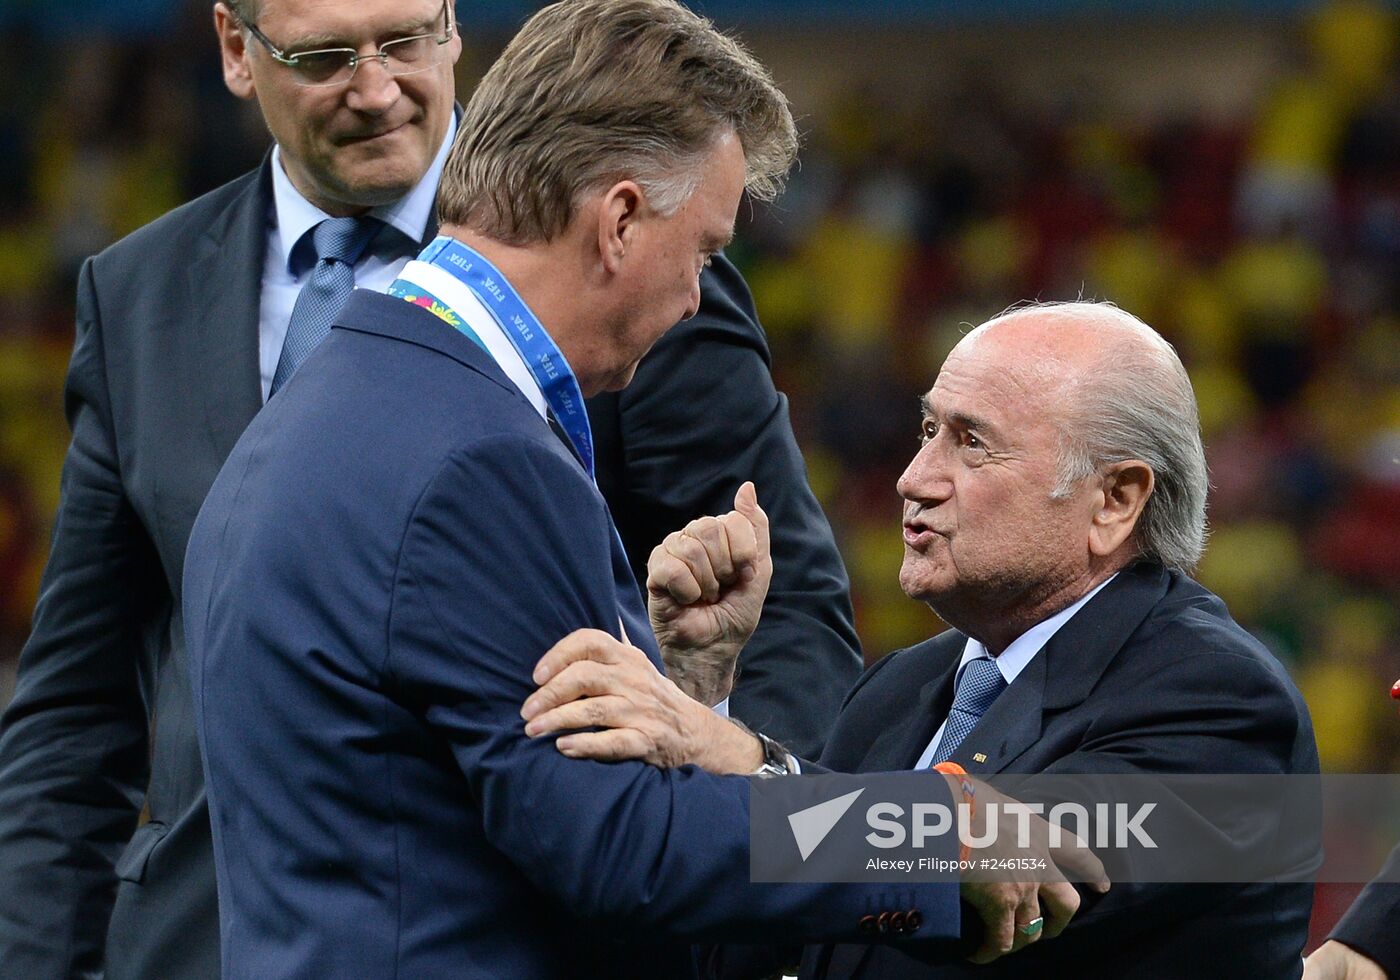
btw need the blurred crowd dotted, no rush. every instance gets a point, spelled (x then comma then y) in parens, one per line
(1266, 247)
(99, 134)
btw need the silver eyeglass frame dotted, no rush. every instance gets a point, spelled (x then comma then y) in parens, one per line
(353, 57)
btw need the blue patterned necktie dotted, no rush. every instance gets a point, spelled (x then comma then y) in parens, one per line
(339, 243)
(981, 683)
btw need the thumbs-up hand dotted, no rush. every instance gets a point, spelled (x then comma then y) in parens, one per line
(705, 589)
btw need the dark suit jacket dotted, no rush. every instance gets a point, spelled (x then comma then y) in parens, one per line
(1151, 676)
(164, 378)
(700, 416)
(368, 586)
(1372, 924)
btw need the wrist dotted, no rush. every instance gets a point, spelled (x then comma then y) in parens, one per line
(706, 676)
(727, 748)
(749, 755)
(762, 756)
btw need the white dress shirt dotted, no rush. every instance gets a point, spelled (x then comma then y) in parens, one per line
(287, 268)
(1014, 658)
(464, 302)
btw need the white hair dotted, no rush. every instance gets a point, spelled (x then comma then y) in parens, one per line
(1137, 405)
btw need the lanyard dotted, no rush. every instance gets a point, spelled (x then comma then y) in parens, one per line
(523, 329)
(419, 296)
(544, 360)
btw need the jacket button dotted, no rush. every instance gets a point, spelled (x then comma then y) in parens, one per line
(866, 924)
(913, 921)
(897, 921)
(882, 922)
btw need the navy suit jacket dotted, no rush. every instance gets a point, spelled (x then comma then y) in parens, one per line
(105, 856)
(1372, 924)
(393, 543)
(1151, 676)
(701, 416)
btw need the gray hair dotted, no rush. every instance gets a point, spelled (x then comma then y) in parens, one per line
(1140, 405)
(594, 91)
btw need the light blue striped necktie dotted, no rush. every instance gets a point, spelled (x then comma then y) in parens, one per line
(339, 243)
(980, 684)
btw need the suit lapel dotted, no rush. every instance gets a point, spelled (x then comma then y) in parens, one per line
(225, 287)
(1010, 726)
(225, 296)
(1081, 651)
(1063, 673)
(903, 736)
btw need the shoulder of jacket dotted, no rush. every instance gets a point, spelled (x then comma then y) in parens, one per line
(909, 668)
(175, 232)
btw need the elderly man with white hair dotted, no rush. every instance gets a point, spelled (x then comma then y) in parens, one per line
(1051, 516)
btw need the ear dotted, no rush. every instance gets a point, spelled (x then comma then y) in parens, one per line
(1126, 487)
(454, 46)
(619, 214)
(233, 50)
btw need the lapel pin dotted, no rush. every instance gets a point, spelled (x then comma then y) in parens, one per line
(980, 757)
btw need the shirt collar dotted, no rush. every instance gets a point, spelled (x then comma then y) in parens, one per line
(1023, 649)
(410, 214)
(464, 302)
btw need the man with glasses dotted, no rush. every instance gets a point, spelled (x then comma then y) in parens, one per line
(184, 330)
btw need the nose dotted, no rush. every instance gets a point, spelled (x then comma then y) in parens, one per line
(373, 90)
(925, 480)
(693, 304)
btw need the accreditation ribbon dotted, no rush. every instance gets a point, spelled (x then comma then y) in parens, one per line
(542, 357)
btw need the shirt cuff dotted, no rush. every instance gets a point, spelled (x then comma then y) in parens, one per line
(722, 709)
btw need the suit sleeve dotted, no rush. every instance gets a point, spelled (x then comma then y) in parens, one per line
(509, 550)
(1204, 714)
(1372, 925)
(700, 417)
(73, 741)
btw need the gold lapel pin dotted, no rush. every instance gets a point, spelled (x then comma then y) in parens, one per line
(980, 757)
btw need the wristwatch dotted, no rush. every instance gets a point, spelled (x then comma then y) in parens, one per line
(777, 761)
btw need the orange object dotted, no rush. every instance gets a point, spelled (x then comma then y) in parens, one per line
(969, 795)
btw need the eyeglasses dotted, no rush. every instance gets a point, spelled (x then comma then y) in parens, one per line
(336, 66)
